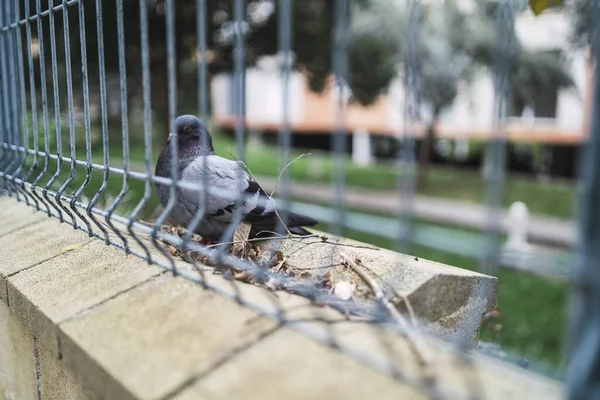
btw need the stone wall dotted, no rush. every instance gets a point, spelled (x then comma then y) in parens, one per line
(82, 320)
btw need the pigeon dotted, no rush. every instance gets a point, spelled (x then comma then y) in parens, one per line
(195, 152)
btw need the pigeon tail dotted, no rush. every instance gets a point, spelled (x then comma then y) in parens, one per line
(295, 223)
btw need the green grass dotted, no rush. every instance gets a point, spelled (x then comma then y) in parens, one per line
(552, 199)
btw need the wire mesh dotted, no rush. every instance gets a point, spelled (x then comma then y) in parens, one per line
(79, 177)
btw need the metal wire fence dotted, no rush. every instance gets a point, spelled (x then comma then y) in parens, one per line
(71, 173)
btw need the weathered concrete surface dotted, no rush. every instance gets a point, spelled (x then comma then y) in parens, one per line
(444, 298)
(19, 354)
(493, 379)
(58, 289)
(14, 218)
(17, 363)
(56, 381)
(289, 373)
(36, 243)
(156, 336)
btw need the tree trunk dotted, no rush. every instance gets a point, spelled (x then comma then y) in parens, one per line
(426, 149)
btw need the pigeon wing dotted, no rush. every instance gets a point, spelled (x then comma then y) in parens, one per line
(231, 180)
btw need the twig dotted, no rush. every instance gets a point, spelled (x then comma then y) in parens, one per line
(409, 307)
(284, 168)
(324, 239)
(298, 238)
(291, 236)
(415, 344)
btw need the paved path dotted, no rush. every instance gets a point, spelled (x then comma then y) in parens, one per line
(544, 230)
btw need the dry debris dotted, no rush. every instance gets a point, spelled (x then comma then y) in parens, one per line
(242, 248)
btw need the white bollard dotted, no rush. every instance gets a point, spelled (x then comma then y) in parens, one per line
(362, 153)
(518, 221)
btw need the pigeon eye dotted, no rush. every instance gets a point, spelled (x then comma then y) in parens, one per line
(187, 128)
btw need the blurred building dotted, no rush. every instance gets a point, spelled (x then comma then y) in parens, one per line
(559, 118)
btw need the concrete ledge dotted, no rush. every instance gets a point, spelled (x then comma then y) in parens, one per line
(13, 219)
(17, 362)
(448, 301)
(109, 326)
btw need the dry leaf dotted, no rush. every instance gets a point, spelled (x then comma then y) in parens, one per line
(495, 313)
(537, 6)
(326, 280)
(72, 247)
(240, 237)
(243, 276)
(305, 274)
(173, 250)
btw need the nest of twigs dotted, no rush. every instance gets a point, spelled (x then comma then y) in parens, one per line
(263, 263)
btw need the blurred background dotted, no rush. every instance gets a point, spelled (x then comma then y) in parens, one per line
(548, 121)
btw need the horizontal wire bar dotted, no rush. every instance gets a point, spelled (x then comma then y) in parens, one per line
(36, 16)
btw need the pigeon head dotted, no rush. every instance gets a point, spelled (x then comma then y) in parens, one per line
(192, 133)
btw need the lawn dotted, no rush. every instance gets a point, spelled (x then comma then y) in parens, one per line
(545, 198)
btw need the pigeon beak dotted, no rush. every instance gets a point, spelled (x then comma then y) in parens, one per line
(171, 134)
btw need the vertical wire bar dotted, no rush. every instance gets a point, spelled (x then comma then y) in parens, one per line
(406, 137)
(203, 112)
(239, 8)
(172, 82)
(124, 123)
(33, 98)
(147, 126)
(7, 157)
(285, 135)
(21, 67)
(284, 30)
(14, 98)
(583, 369)
(104, 121)
(494, 170)
(5, 123)
(408, 52)
(23, 105)
(4, 148)
(239, 69)
(13, 134)
(44, 90)
(86, 112)
(11, 105)
(340, 70)
(240, 74)
(340, 31)
(55, 90)
(494, 173)
(201, 28)
(71, 177)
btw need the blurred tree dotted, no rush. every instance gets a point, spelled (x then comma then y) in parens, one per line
(583, 14)
(312, 44)
(454, 45)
